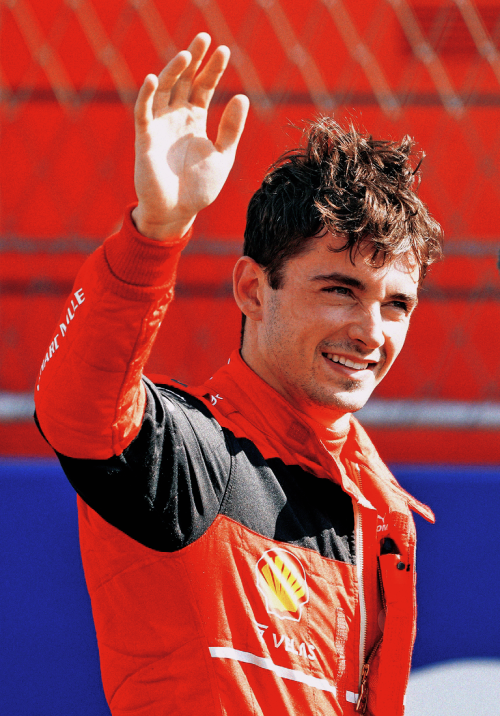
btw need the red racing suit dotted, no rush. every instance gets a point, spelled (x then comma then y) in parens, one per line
(235, 564)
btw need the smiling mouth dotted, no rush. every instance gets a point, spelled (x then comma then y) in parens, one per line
(334, 358)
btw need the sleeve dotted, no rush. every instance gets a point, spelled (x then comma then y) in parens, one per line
(89, 397)
(165, 489)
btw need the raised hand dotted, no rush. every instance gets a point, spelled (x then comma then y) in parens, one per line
(178, 170)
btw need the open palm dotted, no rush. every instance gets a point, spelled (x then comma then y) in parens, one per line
(178, 170)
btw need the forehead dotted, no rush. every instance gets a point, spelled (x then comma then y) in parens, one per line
(322, 257)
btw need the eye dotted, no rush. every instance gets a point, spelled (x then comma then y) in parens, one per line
(340, 290)
(401, 306)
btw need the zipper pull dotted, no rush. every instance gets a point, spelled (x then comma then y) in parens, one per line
(362, 701)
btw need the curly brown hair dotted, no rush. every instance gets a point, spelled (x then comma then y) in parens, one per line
(349, 184)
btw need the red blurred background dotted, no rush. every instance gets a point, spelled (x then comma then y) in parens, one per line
(69, 75)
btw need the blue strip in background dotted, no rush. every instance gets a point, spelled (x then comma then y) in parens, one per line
(49, 654)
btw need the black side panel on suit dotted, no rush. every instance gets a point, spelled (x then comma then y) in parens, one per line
(183, 469)
(165, 489)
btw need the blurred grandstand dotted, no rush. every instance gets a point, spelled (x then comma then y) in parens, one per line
(69, 74)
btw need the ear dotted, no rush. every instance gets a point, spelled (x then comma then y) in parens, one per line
(248, 282)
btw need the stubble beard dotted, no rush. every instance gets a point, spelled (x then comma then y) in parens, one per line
(338, 399)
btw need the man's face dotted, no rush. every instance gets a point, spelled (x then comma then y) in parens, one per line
(330, 334)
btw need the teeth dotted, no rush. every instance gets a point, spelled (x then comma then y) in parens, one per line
(347, 362)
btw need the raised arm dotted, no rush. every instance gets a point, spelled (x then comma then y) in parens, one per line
(178, 170)
(89, 396)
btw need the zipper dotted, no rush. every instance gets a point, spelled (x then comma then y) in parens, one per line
(359, 572)
(362, 701)
(381, 586)
(364, 668)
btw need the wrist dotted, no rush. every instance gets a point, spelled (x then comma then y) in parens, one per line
(160, 231)
(137, 261)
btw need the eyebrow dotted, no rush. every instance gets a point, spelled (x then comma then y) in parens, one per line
(346, 280)
(338, 277)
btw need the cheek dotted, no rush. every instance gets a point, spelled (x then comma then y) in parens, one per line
(338, 314)
(283, 336)
(298, 321)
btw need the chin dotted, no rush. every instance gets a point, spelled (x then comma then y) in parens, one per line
(350, 402)
(347, 397)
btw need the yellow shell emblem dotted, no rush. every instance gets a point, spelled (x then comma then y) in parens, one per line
(281, 579)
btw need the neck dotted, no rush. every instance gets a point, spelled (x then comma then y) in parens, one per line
(333, 419)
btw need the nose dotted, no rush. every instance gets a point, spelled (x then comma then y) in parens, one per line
(368, 327)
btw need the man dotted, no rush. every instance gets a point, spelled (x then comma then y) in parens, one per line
(245, 548)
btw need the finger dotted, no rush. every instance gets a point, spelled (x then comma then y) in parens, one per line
(198, 49)
(204, 85)
(143, 110)
(232, 123)
(167, 79)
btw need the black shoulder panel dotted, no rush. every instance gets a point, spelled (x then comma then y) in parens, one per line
(183, 469)
(165, 489)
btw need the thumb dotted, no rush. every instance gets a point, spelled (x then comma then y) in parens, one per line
(232, 123)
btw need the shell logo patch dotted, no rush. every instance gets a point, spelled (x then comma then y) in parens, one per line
(281, 579)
